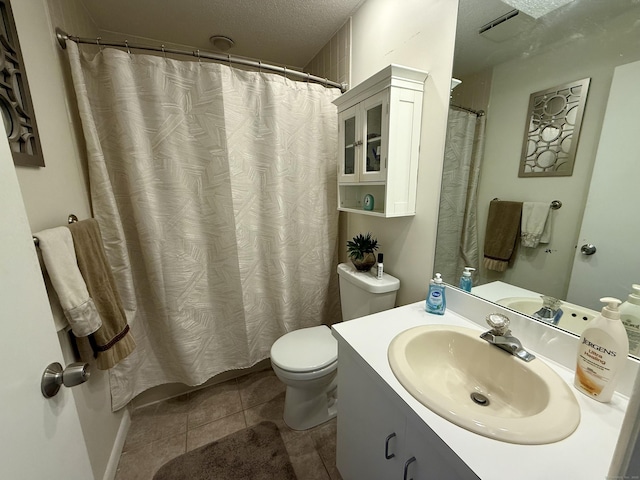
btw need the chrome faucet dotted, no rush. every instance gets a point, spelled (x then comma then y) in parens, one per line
(501, 337)
(550, 311)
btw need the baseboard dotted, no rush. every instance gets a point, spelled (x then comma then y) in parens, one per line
(118, 444)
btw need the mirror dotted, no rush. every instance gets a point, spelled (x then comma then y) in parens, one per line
(518, 55)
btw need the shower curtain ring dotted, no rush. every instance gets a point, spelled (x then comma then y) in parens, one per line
(285, 72)
(98, 43)
(259, 66)
(126, 43)
(326, 82)
(198, 55)
(163, 52)
(229, 59)
(308, 77)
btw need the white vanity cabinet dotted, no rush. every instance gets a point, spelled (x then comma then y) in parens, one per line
(379, 141)
(378, 438)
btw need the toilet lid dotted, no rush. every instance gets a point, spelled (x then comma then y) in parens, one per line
(305, 349)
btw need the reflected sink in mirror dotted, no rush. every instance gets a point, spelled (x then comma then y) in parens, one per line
(482, 388)
(574, 317)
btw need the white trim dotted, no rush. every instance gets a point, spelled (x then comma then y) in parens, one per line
(118, 444)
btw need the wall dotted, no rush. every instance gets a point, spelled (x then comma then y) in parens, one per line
(512, 83)
(419, 35)
(333, 61)
(474, 92)
(51, 193)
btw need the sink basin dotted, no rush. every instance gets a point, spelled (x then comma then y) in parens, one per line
(444, 366)
(574, 318)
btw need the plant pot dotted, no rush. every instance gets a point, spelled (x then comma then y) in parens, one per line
(365, 264)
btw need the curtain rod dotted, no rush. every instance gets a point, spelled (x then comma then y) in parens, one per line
(63, 36)
(479, 113)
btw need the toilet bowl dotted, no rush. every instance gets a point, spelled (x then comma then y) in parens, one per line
(306, 360)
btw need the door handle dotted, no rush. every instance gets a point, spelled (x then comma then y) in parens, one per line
(54, 377)
(406, 468)
(588, 249)
(386, 447)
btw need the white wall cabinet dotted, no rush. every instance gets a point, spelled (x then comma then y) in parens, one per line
(379, 131)
(378, 438)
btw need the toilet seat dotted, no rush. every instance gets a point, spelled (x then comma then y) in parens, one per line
(305, 350)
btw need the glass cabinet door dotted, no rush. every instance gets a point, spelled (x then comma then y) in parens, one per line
(374, 127)
(349, 145)
(374, 141)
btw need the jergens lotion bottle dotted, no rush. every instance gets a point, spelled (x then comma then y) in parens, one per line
(602, 353)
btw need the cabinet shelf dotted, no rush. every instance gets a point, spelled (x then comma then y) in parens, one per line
(374, 213)
(383, 116)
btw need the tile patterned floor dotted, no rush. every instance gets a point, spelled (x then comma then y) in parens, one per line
(165, 430)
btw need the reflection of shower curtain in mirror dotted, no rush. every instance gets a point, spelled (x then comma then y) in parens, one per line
(216, 192)
(457, 240)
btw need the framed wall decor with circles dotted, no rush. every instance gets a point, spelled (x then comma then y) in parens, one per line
(553, 126)
(16, 107)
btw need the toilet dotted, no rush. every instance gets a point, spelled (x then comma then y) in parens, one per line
(306, 360)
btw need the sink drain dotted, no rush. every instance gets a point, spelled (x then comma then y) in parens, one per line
(479, 399)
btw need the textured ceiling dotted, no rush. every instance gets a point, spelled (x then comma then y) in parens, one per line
(291, 32)
(568, 23)
(286, 32)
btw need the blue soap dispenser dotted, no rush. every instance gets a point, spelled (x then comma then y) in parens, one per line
(436, 302)
(465, 280)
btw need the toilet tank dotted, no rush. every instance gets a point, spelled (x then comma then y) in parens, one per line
(361, 293)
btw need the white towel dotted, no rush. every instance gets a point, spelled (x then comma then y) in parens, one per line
(534, 230)
(56, 245)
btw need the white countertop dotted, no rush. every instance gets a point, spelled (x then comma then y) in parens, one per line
(497, 290)
(586, 454)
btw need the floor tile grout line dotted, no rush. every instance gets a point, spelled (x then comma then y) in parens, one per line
(243, 408)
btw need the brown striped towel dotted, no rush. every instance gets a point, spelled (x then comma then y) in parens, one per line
(113, 341)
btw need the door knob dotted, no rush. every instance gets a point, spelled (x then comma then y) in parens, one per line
(54, 377)
(588, 249)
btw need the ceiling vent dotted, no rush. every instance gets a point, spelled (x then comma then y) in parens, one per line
(507, 26)
(221, 42)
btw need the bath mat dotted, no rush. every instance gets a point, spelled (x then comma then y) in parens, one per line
(256, 453)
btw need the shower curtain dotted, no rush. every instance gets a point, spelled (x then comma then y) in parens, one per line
(457, 238)
(216, 192)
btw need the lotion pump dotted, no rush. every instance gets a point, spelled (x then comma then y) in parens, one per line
(630, 316)
(465, 280)
(602, 353)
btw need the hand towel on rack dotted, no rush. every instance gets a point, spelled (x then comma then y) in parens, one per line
(534, 229)
(58, 254)
(113, 341)
(503, 226)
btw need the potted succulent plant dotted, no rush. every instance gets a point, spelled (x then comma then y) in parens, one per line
(360, 250)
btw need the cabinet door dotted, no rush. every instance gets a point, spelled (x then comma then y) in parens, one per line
(349, 134)
(375, 127)
(370, 429)
(427, 457)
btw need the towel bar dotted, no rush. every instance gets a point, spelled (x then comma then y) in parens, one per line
(70, 219)
(555, 205)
